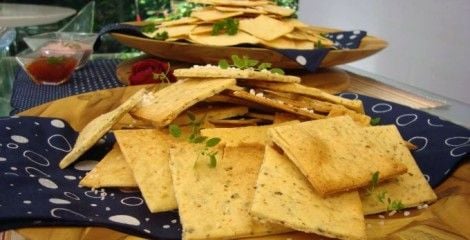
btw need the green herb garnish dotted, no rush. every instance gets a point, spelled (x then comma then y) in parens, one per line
(246, 63)
(395, 205)
(55, 60)
(375, 121)
(228, 26)
(195, 137)
(373, 182)
(318, 44)
(162, 36)
(148, 28)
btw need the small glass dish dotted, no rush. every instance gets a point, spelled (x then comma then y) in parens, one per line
(49, 67)
(62, 41)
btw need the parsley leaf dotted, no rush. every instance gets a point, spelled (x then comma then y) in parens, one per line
(148, 28)
(375, 121)
(55, 60)
(264, 66)
(277, 70)
(229, 26)
(395, 205)
(162, 36)
(224, 64)
(175, 130)
(212, 142)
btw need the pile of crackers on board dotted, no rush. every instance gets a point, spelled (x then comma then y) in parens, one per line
(229, 23)
(256, 153)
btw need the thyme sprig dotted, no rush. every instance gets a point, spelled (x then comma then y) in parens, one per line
(195, 137)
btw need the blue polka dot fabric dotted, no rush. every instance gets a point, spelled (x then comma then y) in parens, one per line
(95, 75)
(35, 192)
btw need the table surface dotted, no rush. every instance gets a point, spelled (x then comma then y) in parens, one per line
(20, 15)
(361, 81)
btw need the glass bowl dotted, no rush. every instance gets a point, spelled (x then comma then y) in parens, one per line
(64, 40)
(49, 67)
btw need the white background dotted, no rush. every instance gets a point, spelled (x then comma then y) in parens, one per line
(429, 40)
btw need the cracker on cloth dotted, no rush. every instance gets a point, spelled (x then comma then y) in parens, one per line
(216, 72)
(214, 202)
(147, 153)
(410, 188)
(96, 129)
(111, 171)
(334, 154)
(164, 106)
(283, 195)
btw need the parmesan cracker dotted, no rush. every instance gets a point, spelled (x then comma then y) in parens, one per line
(283, 195)
(217, 194)
(164, 106)
(216, 72)
(98, 127)
(147, 153)
(334, 154)
(111, 171)
(411, 188)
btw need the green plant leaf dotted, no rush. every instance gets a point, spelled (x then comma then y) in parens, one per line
(217, 28)
(212, 160)
(277, 70)
(224, 64)
(199, 139)
(212, 142)
(238, 62)
(148, 28)
(375, 121)
(175, 130)
(264, 65)
(162, 36)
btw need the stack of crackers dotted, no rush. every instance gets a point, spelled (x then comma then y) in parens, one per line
(258, 22)
(291, 157)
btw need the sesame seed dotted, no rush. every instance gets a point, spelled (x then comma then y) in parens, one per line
(381, 216)
(260, 94)
(406, 213)
(425, 206)
(252, 91)
(392, 213)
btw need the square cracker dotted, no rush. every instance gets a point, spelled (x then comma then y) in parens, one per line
(335, 154)
(283, 195)
(265, 28)
(164, 106)
(241, 136)
(98, 127)
(411, 188)
(216, 72)
(147, 153)
(111, 171)
(214, 202)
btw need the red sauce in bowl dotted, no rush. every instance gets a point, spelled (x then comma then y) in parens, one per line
(54, 70)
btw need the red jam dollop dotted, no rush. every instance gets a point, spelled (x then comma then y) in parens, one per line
(54, 70)
(149, 71)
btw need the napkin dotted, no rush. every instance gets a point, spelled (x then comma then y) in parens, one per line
(309, 59)
(36, 192)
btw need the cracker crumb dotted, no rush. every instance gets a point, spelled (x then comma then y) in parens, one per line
(406, 213)
(260, 94)
(252, 91)
(381, 216)
(392, 213)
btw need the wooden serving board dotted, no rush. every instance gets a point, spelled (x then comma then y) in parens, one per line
(448, 218)
(203, 54)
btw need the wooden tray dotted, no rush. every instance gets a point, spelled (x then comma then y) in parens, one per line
(200, 54)
(448, 218)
